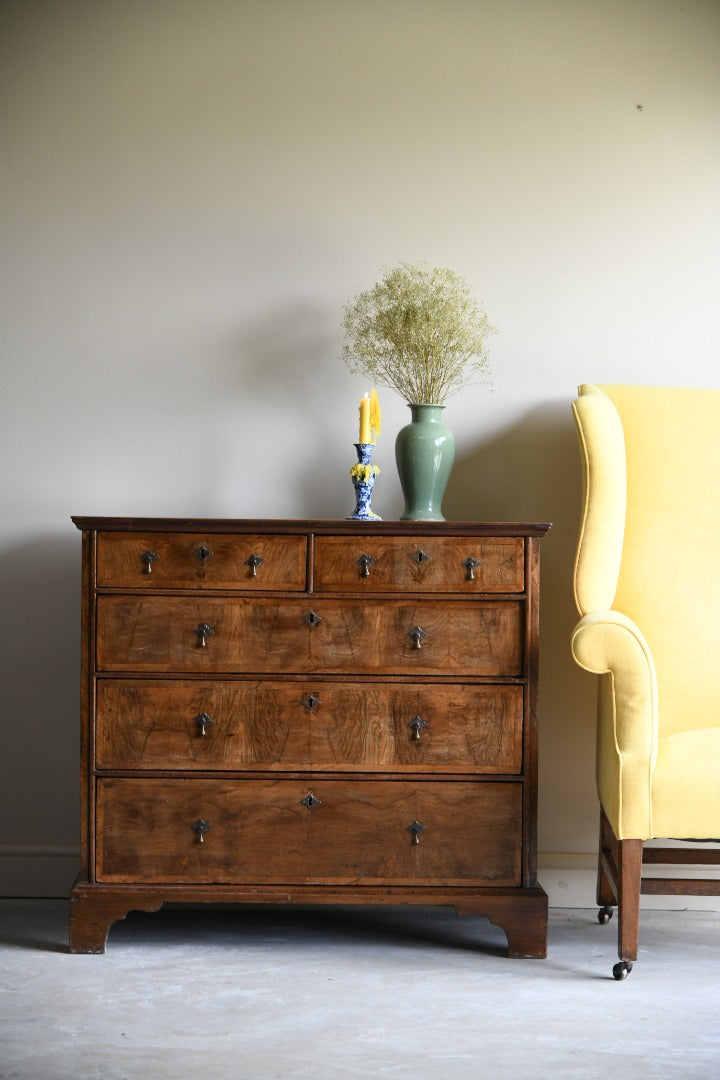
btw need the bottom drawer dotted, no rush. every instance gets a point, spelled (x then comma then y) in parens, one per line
(308, 832)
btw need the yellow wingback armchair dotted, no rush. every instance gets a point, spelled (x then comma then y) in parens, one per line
(647, 587)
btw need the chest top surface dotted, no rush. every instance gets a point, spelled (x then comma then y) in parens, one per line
(317, 526)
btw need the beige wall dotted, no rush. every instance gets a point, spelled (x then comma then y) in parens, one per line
(190, 194)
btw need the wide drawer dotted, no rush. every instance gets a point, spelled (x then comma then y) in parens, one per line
(201, 561)
(423, 564)
(325, 726)
(206, 634)
(308, 832)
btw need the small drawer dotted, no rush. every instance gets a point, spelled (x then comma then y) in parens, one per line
(426, 726)
(419, 564)
(200, 561)
(163, 724)
(307, 832)
(317, 724)
(206, 634)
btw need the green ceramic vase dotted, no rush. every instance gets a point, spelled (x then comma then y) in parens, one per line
(424, 452)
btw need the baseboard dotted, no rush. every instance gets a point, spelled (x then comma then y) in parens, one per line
(37, 870)
(570, 881)
(45, 871)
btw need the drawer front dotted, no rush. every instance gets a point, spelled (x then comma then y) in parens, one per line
(325, 726)
(307, 832)
(199, 561)
(166, 634)
(419, 564)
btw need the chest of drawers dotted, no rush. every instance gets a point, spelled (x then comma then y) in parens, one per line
(310, 712)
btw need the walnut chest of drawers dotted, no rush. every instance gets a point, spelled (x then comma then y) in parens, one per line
(312, 712)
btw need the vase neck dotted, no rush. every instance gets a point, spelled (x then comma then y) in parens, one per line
(431, 414)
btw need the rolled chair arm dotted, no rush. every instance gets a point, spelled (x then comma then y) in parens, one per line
(611, 645)
(608, 642)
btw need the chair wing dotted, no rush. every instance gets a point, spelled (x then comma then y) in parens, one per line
(650, 528)
(602, 449)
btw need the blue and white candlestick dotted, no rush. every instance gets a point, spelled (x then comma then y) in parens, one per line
(363, 477)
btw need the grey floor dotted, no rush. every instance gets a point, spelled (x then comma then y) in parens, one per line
(325, 994)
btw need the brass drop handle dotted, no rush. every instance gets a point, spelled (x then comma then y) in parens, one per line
(253, 561)
(471, 564)
(148, 558)
(202, 553)
(204, 631)
(416, 725)
(365, 561)
(312, 619)
(416, 830)
(200, 827)
(203, 722)
(416, 635)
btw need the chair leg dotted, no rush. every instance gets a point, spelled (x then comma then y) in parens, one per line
(629, 884)
(605, 894)
(619, 881)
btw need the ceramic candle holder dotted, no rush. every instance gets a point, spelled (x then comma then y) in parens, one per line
(363, 477)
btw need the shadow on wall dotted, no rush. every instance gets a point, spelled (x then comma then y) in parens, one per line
(531, 472)
(40, 675)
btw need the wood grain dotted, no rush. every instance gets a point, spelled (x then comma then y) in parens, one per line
(261, 831)
(419, 563)
(320, 725)
(158, 634)
(176, 564)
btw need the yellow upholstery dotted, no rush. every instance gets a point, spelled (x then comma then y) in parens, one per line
(647, 587)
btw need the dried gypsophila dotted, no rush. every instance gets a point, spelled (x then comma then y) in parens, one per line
(420, 332)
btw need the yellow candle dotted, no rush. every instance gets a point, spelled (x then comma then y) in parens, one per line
(365, 419)
(375, 415)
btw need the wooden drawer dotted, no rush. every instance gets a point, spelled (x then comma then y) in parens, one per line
(325, 726)
(355, 833)
(422, 564)
(201, 561)
(164, 634)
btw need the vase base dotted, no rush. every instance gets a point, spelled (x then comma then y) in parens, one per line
(422, 517)
(363, 517)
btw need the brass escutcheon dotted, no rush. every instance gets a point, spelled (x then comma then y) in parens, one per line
(415, 830)
(148, 558)
(253, 561)
(204, 631)
(365, 561)
(471, 564)
(203, 722)
(416, 725)
(200, 827)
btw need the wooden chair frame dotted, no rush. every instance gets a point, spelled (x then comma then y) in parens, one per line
(621, 882)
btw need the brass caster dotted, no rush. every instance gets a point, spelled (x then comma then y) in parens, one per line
(621, 970)
(605, 914)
